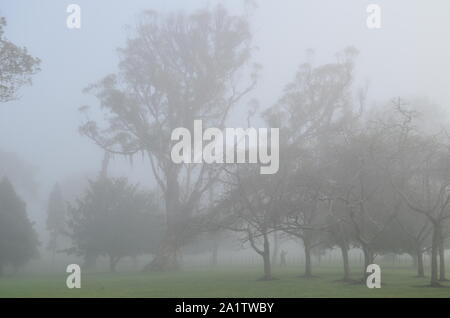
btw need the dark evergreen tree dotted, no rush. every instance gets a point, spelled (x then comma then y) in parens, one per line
(18, 239)
(114, 219)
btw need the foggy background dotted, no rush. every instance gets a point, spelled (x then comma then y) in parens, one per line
(407, 57)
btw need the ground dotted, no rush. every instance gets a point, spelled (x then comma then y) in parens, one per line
(220, 282)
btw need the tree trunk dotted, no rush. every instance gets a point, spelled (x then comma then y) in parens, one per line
(113, 260)
(441, 260)
(414, 258)
(166, 257)
(434, 254)
(368, 259)
(346, 264)
(266, 259)
(308, 269)
(420, 269)
(275, 249)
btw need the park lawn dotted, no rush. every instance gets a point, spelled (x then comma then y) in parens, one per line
(222, 283)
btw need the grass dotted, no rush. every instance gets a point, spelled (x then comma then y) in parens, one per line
(221, 282)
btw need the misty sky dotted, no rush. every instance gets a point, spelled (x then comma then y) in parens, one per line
(407, 57)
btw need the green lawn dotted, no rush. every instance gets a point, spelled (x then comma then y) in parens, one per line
(223, 282)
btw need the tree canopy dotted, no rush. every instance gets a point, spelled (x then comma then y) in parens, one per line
(16, 66)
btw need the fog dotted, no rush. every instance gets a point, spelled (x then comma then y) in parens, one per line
(407, 57)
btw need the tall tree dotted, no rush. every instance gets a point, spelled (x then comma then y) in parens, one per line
(18, 239)
(176, 69)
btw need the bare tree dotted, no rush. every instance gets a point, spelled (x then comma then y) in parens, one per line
(371, 206)
(250, 207)
(302, 218)
(316, 104)
(337, 231)
(417, 165)
(427, 193)
(417, 231)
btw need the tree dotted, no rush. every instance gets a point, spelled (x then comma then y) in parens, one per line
(249, 208)
(427, 192)
(338, 232)
(16, 67)
(370, 203)
(314, 106)
(416, 163)
(114, 219)
(317, 102)
(56, 218)
(415, 233)
(303, 218)
(18, 239)
(174, 70)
